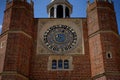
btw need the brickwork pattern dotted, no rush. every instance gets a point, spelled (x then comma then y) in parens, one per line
(23, 56)
(103, 39)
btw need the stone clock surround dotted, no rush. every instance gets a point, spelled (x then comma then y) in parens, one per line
(60, 38)
(75, 24)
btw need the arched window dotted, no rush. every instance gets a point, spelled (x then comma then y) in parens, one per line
(59, 11)
(54, 64)
(66, 64)
(60, 64)
(67, 12)
(52, 12)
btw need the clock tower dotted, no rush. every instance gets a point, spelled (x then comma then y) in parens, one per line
(59, 47)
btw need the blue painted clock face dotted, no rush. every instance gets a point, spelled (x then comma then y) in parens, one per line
(60, 38)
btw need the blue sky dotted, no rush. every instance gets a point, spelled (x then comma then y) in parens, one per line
(79, 9)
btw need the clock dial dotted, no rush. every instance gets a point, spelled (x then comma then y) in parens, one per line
(60, 38)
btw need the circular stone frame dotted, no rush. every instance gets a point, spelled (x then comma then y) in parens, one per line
(60, 38)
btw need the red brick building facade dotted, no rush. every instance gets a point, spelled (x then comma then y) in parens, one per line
(59, 47)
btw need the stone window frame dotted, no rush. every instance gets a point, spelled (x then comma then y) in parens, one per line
(57, 67)
(60, 64)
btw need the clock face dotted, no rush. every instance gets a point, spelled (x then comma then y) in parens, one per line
(60, 38)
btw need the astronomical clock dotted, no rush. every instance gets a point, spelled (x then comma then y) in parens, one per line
(57, 36)
(60, 38)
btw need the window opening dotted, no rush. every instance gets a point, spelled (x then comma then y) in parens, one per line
(59, 11)
(67, 12)
(66, 64)
(52, 12)
(54, 64)
(60, 64)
